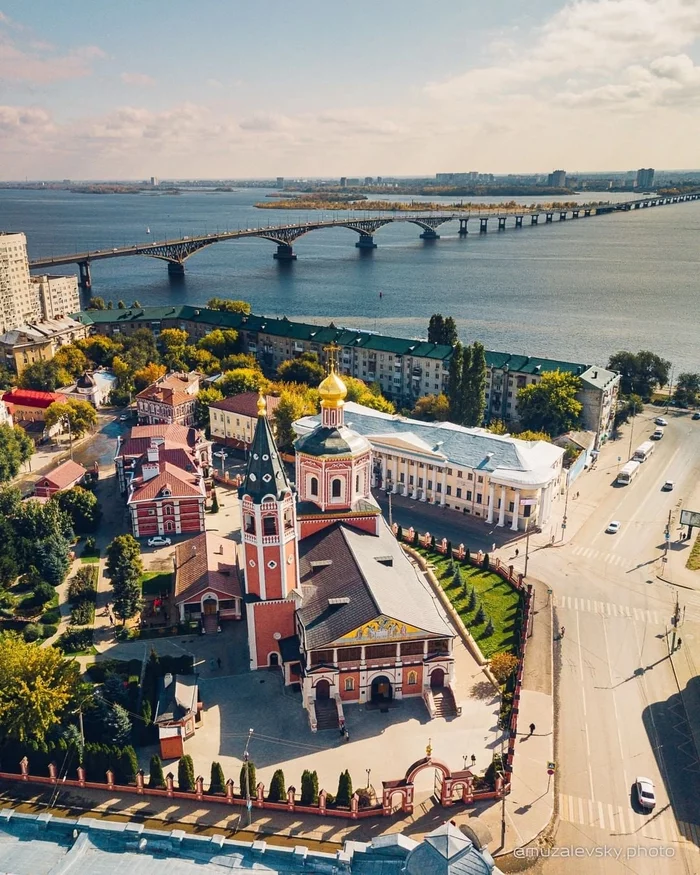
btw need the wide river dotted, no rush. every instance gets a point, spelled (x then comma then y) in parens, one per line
(578, 290)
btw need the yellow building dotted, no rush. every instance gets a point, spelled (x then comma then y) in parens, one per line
(38, 341)
(232, 420)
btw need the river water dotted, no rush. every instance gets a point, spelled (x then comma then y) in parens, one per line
(578, 290)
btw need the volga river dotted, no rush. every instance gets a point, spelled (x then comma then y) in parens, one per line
(578, 290)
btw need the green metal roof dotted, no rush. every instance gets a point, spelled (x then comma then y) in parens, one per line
(524, 364)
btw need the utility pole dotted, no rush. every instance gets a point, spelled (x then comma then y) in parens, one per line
(388, 492)
(566, 505)
(527, 541)
(670, 390)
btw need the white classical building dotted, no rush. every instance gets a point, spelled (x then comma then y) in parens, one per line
(497, 478)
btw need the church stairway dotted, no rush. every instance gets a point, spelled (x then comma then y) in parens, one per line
(210, 623)
(326, 714)
(444, 702)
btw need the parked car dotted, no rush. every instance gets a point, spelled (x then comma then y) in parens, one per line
(696, 416)
(159, 541)
(644, 788)
(668, 486)
(660, 421)
(123, 417)
(613, 527)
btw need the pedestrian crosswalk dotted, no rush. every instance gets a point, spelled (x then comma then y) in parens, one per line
(606, 609)
(599, 555)
(621, 820)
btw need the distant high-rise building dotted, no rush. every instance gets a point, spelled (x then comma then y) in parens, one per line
(280, 182)
(379, 180)
(557, 179)
(18, 301)
(369, 180)
(343, 181)
(57, 295)
(645, 177)
(154, 181)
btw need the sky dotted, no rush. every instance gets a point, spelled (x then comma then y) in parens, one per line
(233, 89)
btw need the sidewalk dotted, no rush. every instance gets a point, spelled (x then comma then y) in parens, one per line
(688, 680)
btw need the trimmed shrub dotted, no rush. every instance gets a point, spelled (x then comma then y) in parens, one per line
(43, 593)
(399, 533)
(128, 765)
(309, 787)
(156, 780)
(53, 616)
(146, 724)
(32, 632)
(48, 630)
(83, 585)
(82, 613)
(467, 556)
(252, 782)
(277, 792)
(214, 502)
(448, 550)
(185, 773)
(344, 794)
(75, 640)
(480, 616)
(217, 782)
(486, 562)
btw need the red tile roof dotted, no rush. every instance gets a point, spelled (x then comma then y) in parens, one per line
(180, 434)
(245, 404)
(180, 483)
(65, 475)
(207, 561)
(32, 398)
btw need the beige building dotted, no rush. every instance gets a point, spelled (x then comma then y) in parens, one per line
(495, 478)
(57, 295)
(232, 420)
(170, 399)
(18, 303)
(38, 341)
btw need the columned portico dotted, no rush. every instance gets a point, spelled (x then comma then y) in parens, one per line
(492, 501)
(516, 511)
(405, 477)
(502, 509)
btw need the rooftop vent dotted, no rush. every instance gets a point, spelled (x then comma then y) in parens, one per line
(320, 563)
(538, 368)
(385, 560)
(341, 600)
(595, 374)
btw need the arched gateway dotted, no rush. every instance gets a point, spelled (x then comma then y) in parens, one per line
(449, 783)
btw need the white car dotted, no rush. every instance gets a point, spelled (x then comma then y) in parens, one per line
(220, 454)
(123, 417)
(668, 486)
(660, 421)
(159, 541)
(644, 788)
(613, 527)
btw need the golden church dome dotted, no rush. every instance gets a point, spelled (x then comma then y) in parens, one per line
(332, 390)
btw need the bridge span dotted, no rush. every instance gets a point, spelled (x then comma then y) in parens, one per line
(176, 252)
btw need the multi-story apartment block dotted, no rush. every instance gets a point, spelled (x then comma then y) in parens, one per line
(18, 303)
(57, 295)
(38, 341)
(405, 369)
(170, 399)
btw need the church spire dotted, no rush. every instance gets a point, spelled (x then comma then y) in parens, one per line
(265, 474)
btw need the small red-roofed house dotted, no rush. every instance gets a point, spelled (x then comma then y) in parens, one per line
(65, 476)
(207, 585)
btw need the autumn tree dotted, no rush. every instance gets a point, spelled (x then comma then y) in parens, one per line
(230, 306)
(205, 397)
(81, 416)
(147, 375)
(16, 447)
(367, 395)
(36, 688)
(99, 349)
(241, 380)
(72, 358)
(503, 665)
(173, 342)
(551, 405)
(82, 507)
(433, 408)
(292, 406)
(44, 376)
(201, 360)
(239, 360)
(304, 369)
(220, 342)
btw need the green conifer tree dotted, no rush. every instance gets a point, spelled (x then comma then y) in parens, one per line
(217, 781)
(185, 773)
(344, 790)
(278, 791)
(156, 780)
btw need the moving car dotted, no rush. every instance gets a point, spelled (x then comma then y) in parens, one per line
(660, 421)
(159, 541)
(658, 434)
(123, 417)
(613, 527)
(668, 486)
(644, 788)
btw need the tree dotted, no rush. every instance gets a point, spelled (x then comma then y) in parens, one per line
(121, 305)
(173, 342)
(640, 372)
(241, 380)
(82, 507)
(99, 348)
(474, 393)
(156, 779)
(239, 360)
(454, 380)
(687, 389)
(36, 688)
(533, 436)
(125, 568)
(72, 358)
(44, 376)
(140, 348)
(128, 765)
(369, 396)
(136, 305)
(220, 342)
(16, 447)
(433, 408)
(248, 779)
(485, 562)
(309, 787)
(344, 794)
(503, 665)
(436, 328)
(277, 791)
(52, 559)
(7, 378)
(117, 724)
(229, 306)
(305, 369)
(201, 360)
(148, 375)
(185, 773)
(205, 397)
(550, 405)
(471, 603)
(81, 416)
(480, 616)
(97, 304)
(214, 502)
(124, 373)
(497, 426)
(293, 405)
(217, 781)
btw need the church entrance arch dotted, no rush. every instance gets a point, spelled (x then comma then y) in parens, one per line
(323, 690)
(437, 679)
(382, 691)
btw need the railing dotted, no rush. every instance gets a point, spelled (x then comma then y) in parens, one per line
(429, 702)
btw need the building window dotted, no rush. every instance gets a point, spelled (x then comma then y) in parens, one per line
(272, 564)
(449, 489)
(511, 507)
(459, 491)
(470, 476)
(349, 685)
(459, 474)
(412, 678)
(410, 480)
(469, 495)
(478, 498)
(479, 479)
(430, 484)
(438, 487)
(168, 510)
(357, 483)
(313, 486)
(288, 519)
(249, 524)
(526, 510)
(269, 525)
(336, 487)
(420, 482)
(401, 477)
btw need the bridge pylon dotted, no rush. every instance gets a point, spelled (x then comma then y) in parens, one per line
(285, 253)
(366, 241)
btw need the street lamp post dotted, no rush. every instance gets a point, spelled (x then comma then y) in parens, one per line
(246, 757)
(369, 772)
(388, 493)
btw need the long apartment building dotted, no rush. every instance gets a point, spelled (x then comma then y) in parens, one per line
(29, 299)
(404, 368)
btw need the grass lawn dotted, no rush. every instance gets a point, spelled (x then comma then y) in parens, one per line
(500, 602)
(693, 562)
(156, 582)
(89, 558)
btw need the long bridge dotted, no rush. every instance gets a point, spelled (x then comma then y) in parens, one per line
(176, 252)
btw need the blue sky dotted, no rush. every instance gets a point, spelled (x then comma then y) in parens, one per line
(207, 88)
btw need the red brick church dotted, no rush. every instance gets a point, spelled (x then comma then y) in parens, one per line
(330, 596)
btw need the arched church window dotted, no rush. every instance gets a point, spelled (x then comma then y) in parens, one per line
(314, 486)
(269, 525)
(336, 487)
(357, 483)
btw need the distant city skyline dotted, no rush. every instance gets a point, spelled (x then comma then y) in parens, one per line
(245, 91)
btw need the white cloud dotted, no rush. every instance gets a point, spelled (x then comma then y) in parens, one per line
(140, 79)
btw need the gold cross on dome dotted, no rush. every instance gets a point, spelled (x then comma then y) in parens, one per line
(332, 350)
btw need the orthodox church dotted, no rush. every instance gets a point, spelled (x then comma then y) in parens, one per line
(331, 598)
